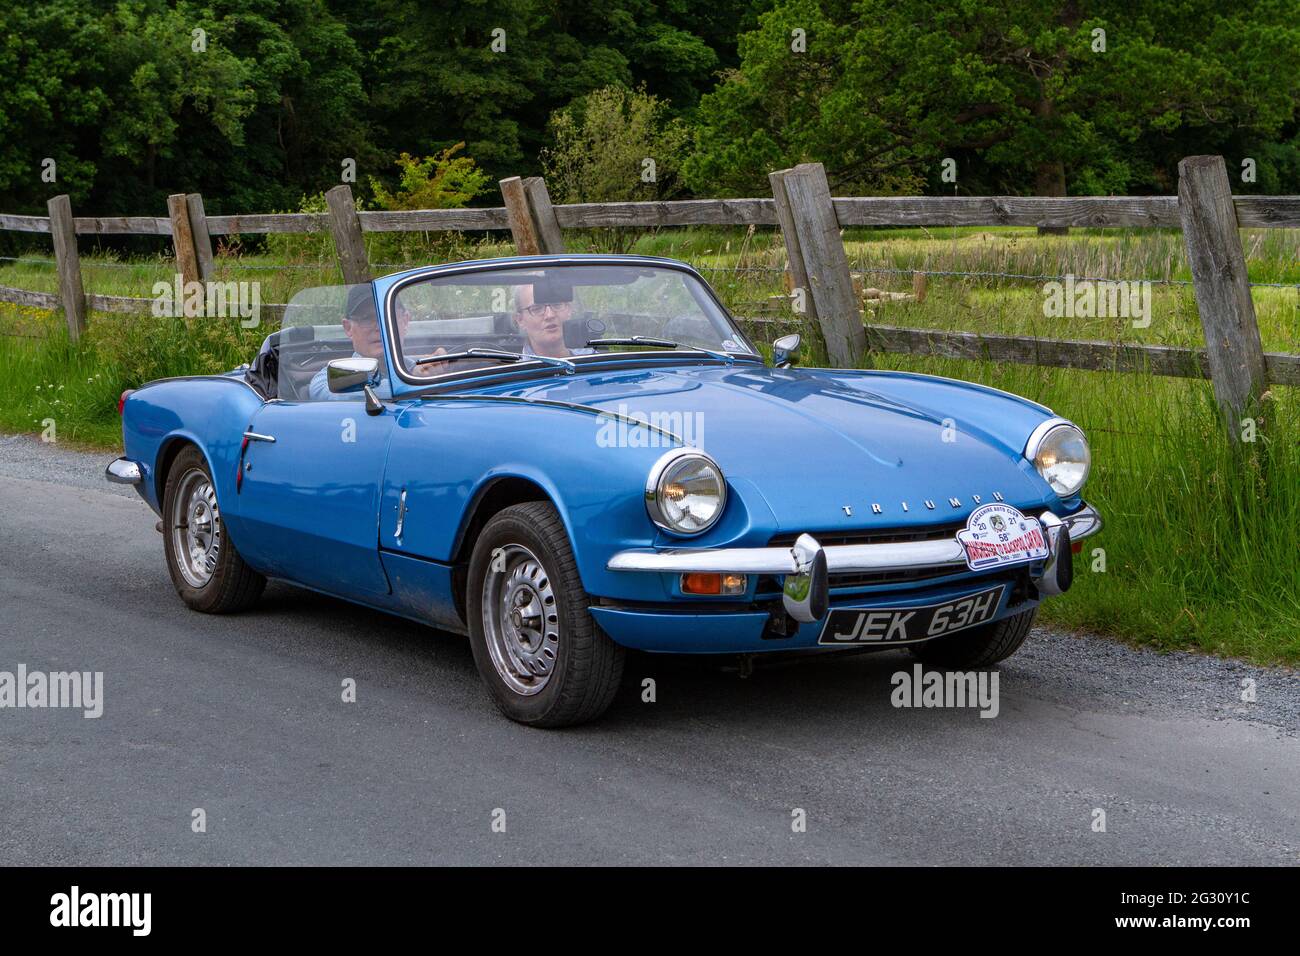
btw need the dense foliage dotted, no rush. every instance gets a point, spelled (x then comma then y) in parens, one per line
(259, 103)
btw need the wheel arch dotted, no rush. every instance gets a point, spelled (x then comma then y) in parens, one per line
(494, 496)
(168, 452)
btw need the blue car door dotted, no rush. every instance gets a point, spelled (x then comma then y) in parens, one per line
(308, 499)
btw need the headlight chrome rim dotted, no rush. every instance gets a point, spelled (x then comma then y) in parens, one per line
(1039, 437)
(667, 460)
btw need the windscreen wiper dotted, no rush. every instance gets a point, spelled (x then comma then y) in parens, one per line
(661, 344)
(500, 355)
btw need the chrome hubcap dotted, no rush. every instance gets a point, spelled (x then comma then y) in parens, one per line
(196, 529)
(520, 620)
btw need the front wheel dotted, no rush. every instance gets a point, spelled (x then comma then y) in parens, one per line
(543, 658)
(980, 646)
(207, 571)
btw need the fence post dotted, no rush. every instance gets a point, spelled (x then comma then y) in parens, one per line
(72, 295)
(797, 274)
(532, 218)
(199, 231)
(187, 263)
(345, 226)
(1232, 343)
(806, 214)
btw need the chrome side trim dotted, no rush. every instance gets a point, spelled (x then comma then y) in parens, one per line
(123, 471)
(255, 436)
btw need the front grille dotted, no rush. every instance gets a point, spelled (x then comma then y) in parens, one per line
(863, 579)
(873, 535)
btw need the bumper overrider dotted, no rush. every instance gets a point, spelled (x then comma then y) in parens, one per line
(806, 566)
(123, 471)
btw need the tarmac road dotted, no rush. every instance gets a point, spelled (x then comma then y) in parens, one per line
(243, 717)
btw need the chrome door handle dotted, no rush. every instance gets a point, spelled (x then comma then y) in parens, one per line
(254, 436)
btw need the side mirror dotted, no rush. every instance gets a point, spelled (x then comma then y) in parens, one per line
(352, 374)
(785, 350)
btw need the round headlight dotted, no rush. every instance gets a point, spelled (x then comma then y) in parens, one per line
(685, 492)
(1062, 457)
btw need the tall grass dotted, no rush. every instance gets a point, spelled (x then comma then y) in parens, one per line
(1201, 544)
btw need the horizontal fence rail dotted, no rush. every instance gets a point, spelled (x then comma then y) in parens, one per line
(1167, 360)
(810, 221)
(937, 211)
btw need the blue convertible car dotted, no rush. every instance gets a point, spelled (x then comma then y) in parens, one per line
(569, 456)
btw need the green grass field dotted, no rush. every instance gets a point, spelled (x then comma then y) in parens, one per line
(1202, 543)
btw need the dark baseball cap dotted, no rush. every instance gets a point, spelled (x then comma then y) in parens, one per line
(361, 304)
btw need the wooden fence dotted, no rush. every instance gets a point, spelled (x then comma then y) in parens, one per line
(810, 220)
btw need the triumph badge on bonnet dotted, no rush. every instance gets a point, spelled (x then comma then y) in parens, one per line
(878, 509)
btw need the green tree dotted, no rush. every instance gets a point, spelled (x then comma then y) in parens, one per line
(615, 145)
(1027, 97)
(260, 107)
(434, 77)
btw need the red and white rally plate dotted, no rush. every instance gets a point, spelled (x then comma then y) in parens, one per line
(997, 534)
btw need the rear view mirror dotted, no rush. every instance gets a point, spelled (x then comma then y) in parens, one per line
(785, 350)
(352, 374)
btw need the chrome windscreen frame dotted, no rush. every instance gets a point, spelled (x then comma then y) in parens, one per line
(468, 268)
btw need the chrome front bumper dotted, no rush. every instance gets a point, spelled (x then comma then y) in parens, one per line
(807, 564)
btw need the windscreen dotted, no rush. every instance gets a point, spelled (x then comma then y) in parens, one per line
(562, 311)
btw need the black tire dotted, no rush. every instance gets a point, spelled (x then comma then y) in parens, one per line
(978, 647)
(583, 674)
(232, 584)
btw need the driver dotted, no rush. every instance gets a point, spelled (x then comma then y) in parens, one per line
(541, 309)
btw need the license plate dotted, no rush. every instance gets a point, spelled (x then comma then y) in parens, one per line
(907, 625)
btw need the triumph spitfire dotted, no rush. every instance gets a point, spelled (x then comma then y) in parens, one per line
(570, 457)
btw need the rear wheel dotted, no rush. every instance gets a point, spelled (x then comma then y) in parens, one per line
(543, 658)
(205, 568)
(980, 646)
